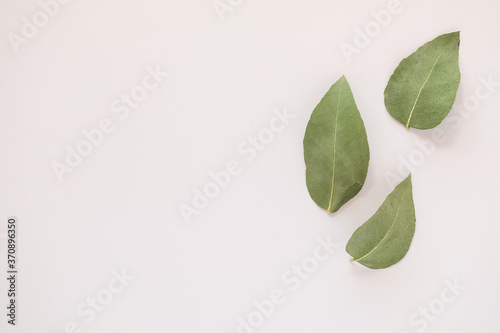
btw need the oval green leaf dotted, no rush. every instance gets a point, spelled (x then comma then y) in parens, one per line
(423, 88)
(386, 237)
(335, 149)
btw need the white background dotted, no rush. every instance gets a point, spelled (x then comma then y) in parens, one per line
(120, 207)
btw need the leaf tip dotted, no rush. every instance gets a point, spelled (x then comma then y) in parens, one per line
(407, 179)
(456, 35)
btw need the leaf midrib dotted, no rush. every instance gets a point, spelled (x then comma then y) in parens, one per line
(388, 231)
(335, 146)
(426, 80)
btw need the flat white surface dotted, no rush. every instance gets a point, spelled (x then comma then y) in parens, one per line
(120, 207)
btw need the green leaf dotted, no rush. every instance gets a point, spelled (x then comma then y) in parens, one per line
(335, 149)
(386, 237)
(423, 88)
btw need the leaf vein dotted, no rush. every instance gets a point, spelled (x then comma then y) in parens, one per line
(335, 147)
(387, 233)
(421, 88)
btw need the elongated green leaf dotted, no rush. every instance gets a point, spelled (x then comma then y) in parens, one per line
(385, 238)
(335, 149)
(424, 86)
